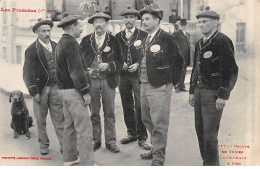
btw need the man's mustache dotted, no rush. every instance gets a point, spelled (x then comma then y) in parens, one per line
(99, 27)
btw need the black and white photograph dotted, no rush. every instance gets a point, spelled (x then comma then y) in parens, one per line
(129, 82)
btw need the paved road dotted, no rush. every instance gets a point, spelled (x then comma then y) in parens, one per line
(182, 141)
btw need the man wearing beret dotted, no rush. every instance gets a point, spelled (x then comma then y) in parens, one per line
(160, 69)
(103, 56)
(131, 40)
(183, 39)
(214, 75)
(73, 79)
(39, 77)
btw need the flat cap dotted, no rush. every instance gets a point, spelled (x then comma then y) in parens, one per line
(152, 9)
(40, 23)
(208, 14)
(129, 11)
(98, 15)
(68, 19)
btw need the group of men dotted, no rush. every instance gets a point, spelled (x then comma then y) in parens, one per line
(71, 80)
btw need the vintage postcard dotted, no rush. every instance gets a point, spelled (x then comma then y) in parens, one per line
(239, 130)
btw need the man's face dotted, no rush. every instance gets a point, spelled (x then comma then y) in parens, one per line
(44, 32)
(100, 25)
(149, 22)
(182, 27)
(129, 21)
(77, 29)
(206, 25)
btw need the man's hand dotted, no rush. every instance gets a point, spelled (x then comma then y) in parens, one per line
(37, 98)
(87, 99)
(191, 100)
(133, 67)
(103, 66)
(90, 71)
(220, 104)
(125, 67)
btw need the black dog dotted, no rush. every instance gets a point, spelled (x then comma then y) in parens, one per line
(21, 121)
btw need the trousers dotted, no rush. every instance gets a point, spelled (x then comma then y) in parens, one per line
(128, 87)
(50, 101)
(155, 107)
(101, 89)
(77, 135)
(207, 121)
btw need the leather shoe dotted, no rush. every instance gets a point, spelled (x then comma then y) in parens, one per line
(157, 163)
(112, 147)
(177, 90)
(96, 145)
(44, 151)
(144, 144)
(147, 156)
(72, 162)
(128, 139)
(183, 90)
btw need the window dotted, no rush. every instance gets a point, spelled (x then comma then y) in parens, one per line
(240, 37)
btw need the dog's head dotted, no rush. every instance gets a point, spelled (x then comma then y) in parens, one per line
(16, 96)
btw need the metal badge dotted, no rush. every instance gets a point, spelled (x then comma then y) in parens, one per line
(207, 54)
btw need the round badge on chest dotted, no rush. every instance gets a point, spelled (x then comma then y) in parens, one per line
(155, 48)
(207, 54)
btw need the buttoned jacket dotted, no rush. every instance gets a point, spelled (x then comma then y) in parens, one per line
(35, 69)
(214, 65)
(164, 62)
(133, 48)
(110, 53)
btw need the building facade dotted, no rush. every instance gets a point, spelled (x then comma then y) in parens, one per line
(237, 21)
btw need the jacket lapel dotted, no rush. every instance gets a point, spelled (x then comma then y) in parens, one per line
(40, 53)
(107, 39)
(209, 41)
(93, 42)
(154, 38)
(52, 45)
(135, 36)
(123, 36)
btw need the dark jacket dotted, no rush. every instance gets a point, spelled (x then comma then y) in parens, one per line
(35, 69)
(70, 69)
(215, 65)
(132, 48)
(184, 44)
(165, 65)
(113, 55)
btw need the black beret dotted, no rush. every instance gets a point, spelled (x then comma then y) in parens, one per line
(68, 19)
(129, 11)
(183, 22)
(98, 15)
(40, 23)
(208, 14)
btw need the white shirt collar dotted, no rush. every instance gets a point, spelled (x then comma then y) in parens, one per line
(132, 30)
(153, 34)
(204, 38)
(102, 38)
(47, 46)
(184, 32)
